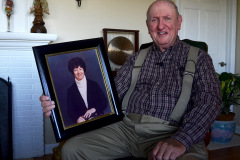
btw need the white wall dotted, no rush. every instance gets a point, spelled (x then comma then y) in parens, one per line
(71, 22)
(237, 61)
(237, 66)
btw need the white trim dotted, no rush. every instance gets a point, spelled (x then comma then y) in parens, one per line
(231, 35)
(178, 4)
(27, 36)
(24, 41)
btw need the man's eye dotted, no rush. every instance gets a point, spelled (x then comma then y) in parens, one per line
(154, 20)
(167, 18)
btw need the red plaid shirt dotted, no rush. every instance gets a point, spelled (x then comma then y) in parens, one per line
(159, 86)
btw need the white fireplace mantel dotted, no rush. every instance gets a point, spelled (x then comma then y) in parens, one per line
(18, 63)
(9, 40)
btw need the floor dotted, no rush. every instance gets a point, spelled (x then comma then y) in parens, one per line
(231, 153)
(46, 157)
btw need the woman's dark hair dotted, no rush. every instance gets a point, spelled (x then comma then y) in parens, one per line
(74, 63)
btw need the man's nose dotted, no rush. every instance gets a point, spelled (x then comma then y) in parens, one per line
(160, 24)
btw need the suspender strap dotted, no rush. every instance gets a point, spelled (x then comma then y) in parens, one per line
(186, 85)
(136, 69)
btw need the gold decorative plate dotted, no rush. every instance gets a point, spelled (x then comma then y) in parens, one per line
(119, 48)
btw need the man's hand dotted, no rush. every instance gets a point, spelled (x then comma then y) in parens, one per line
(47, 105)
(169, 149)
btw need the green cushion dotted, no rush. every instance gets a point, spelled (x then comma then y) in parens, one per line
(199, 44)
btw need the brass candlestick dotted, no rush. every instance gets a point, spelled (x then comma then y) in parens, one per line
(8, 18)
(8, 7)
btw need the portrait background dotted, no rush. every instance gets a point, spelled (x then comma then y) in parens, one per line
(63, 79)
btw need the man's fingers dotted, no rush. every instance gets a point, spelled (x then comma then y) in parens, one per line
(44, 98)
(158, 151)
(162, 150)
(169, 154)
(173, 156)
(169, 149)
(48, 107)
(166, 154)
(154, 152)
(47, 103)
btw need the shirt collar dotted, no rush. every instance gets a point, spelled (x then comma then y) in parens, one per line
(81, 83)
(169, 49)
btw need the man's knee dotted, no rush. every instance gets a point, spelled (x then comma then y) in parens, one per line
(70, 151)
(196, 152)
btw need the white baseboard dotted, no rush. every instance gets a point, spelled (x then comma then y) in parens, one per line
(49, 147)
(237, 129)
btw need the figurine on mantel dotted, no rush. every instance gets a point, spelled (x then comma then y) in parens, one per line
(8, 7)
(39, 6)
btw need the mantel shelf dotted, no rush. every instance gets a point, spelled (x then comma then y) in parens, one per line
(27, 36)
(24, 41)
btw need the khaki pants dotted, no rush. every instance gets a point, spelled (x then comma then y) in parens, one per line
(135, 136)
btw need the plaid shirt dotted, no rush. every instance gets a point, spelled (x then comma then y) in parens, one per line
(159, 86)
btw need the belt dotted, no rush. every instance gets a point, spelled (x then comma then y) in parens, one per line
(141, 118)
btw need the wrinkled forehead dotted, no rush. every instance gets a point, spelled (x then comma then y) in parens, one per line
(162, 7)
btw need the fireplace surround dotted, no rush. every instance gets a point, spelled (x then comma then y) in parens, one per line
(5, 119)
(17, 62)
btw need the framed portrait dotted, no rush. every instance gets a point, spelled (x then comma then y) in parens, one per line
(77, 76)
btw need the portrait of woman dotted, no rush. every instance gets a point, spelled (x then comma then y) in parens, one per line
(85, 99)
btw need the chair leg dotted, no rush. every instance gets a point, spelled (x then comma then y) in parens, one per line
(57, 151)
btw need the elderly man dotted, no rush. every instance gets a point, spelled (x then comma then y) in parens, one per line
(148, 129)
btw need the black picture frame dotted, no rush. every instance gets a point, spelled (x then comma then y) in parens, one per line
(56, 79)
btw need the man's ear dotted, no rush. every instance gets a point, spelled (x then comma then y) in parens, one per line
(147, 26)
(179, 22)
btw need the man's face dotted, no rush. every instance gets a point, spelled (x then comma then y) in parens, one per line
(163, 24)
(78, 73)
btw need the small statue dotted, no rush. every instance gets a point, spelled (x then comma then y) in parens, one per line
(79, 3)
